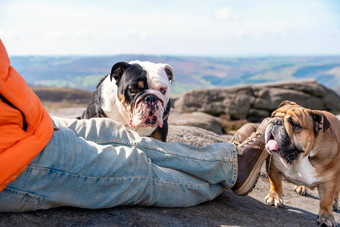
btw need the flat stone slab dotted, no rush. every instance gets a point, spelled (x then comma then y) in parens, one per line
(227, 209)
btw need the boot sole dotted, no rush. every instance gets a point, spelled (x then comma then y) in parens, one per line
(251, 181)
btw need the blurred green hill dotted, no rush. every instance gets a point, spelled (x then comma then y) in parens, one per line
(84, 72)
(54, 98)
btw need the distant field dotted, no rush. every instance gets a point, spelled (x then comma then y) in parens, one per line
(191, 72)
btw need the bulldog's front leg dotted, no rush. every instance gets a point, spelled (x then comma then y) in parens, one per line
(326, 193)
(161, 133)
(274, 198)
(336, 199)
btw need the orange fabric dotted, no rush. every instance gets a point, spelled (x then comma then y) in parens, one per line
(25, 126)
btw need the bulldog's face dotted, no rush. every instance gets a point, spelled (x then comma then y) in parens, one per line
(293, 130)
(143, 91)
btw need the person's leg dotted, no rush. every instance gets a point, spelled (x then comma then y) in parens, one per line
(96, 163)
(104, 131)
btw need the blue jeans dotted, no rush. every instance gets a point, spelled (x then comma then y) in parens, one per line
(96, 163)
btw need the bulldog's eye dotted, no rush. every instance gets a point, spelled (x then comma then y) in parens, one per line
(294, 125)
(133, 90)
(163, 91)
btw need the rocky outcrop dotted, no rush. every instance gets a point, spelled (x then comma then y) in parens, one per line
(248, 103)
(195, 136)
(255, 102)
(196, 119)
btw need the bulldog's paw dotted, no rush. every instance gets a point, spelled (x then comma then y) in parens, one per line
(273, 199)
(300, 189)
(327, 220)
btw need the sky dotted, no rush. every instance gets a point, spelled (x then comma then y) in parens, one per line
(179, 27)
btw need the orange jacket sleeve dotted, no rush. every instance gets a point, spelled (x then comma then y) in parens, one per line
(25, 126)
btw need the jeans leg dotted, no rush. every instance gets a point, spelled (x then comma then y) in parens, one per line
(96, 163)
(208, 163)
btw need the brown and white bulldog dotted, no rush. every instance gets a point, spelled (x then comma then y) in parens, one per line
(305, 147)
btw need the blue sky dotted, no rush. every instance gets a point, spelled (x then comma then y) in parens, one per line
(179, 27)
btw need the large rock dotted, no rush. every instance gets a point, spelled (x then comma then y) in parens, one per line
(195, 136)
(196, 119)
(254, 102)
(270, 98)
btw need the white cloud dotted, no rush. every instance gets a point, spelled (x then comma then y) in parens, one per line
(53, 35)
(137, 33)
(82, 34)
(222, 14)
(238, 34)
(226, 14)
(8, 33)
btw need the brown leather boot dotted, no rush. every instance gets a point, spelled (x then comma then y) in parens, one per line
(243, 133)
(251, 155)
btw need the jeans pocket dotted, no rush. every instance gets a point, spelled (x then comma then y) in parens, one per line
(13, 200)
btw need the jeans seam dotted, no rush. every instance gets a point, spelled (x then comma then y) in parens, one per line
(142, 145)
(20, 192)
(26, 195)
(48, 169)
(234, 167)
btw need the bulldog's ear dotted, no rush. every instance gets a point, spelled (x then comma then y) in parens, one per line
(286, 102)
(320, 121)
(118, 70)
(170, 73)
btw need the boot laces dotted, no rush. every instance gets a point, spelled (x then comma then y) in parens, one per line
(251, 139)
(235, 140)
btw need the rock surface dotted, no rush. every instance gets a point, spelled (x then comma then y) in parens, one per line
(69, 112)
(255, 102)
(226, 210)
(196, 119)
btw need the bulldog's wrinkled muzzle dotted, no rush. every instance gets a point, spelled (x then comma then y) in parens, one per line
(148, 111)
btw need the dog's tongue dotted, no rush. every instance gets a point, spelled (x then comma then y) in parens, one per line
(272, 145)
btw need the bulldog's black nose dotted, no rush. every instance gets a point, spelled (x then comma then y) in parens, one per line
(151, 99)
(278, 121)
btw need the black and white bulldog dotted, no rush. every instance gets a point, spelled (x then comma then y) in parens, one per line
(135, 94)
